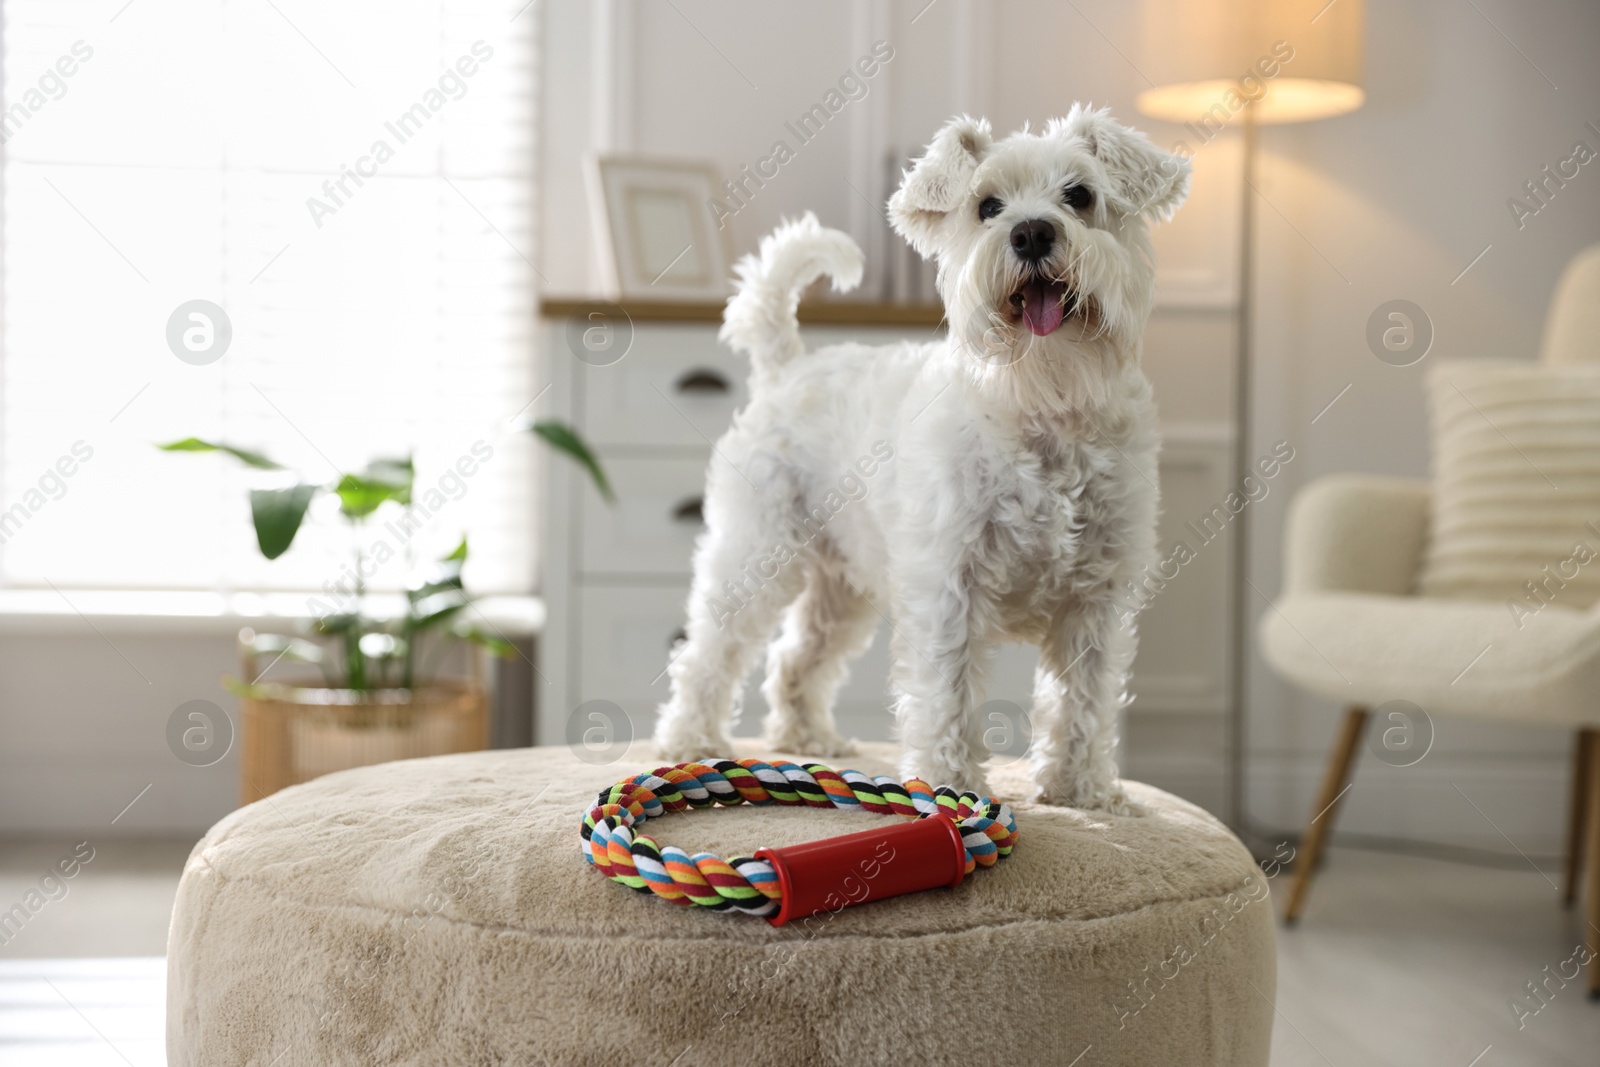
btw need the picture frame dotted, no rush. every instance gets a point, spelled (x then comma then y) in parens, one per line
(655, 237)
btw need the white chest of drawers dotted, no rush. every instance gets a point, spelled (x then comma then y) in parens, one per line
(615, 577)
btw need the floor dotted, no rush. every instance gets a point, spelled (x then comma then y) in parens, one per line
(1414, 962)
(1400, 961)
(83, 983)
(103, 1012)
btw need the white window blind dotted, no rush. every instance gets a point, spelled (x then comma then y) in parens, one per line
(352, 184)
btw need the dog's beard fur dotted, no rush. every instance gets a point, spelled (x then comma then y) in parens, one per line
(1107, 279)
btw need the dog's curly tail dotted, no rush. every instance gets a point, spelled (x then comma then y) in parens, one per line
(760, 319)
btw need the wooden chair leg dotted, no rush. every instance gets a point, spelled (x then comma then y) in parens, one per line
(1340, 762)
(1581, 769)
(1592, 927)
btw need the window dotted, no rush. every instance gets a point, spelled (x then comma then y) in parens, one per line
(352, 184)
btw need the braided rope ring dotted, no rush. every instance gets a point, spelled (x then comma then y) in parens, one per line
(746, 884)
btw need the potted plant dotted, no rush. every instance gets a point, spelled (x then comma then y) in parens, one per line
(379, 696)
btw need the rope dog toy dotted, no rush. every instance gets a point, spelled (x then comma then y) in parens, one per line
(968, 831)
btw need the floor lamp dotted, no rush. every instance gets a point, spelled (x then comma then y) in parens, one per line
(1250, 63)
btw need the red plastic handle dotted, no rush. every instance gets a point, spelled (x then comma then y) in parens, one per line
(886, 861)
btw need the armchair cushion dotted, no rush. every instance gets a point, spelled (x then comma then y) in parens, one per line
(1516, 507)
(1356, 533)
(1469, 659)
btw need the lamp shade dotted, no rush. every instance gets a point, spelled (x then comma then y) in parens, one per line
(1296, 59)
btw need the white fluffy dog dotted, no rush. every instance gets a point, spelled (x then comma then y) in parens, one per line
(995, 486)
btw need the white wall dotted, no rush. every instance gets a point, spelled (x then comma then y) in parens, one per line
(1399, 196)
(85, 718)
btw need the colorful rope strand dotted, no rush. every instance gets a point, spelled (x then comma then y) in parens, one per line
(743, 883)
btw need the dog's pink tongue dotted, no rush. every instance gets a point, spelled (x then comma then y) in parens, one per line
(1042, 307)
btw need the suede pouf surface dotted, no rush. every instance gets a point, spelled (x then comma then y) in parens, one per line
(438, 912)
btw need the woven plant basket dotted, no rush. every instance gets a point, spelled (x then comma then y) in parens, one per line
(291, 733)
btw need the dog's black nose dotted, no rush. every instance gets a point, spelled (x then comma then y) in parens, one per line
(1031, 240)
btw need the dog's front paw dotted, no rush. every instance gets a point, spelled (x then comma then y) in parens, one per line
(684, 750)
(802, 739)
(812, 741)
(967, 777)
(1119, 804)
(1085, 796)
(679, 743)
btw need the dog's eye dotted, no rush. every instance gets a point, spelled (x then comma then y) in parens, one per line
(989, 208)
(1078, 197)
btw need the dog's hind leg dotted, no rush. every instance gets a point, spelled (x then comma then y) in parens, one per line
(739, 592)
(827, 627)
(1079, 689)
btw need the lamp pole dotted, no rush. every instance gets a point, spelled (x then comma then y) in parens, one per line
(1239, 648)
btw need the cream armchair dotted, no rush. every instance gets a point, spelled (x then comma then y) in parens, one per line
(1349, 626)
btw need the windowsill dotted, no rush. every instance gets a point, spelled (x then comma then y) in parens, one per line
(166, 611)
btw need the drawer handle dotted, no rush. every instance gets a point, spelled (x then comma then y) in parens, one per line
(701, 380)
(691, 510)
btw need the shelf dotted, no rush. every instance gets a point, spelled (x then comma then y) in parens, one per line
(825, 313)
(32, 611)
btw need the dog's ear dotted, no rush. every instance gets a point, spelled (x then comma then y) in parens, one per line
(938, 181)
(1145, 179)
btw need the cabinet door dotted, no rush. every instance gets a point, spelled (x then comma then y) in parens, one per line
(651, 529)
(675, 386)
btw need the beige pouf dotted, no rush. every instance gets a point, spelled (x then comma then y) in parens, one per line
(438, 912)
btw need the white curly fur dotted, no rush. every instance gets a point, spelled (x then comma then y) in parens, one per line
(760, 319)
(1020, 496)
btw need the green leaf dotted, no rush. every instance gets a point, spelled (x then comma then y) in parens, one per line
(565, 439)
(441, 596)
(360, 496)
(498, 646)
(383, 480)
(245, 456)
(278, 514)
(243, 689)
(444, 577)
(436, 609)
